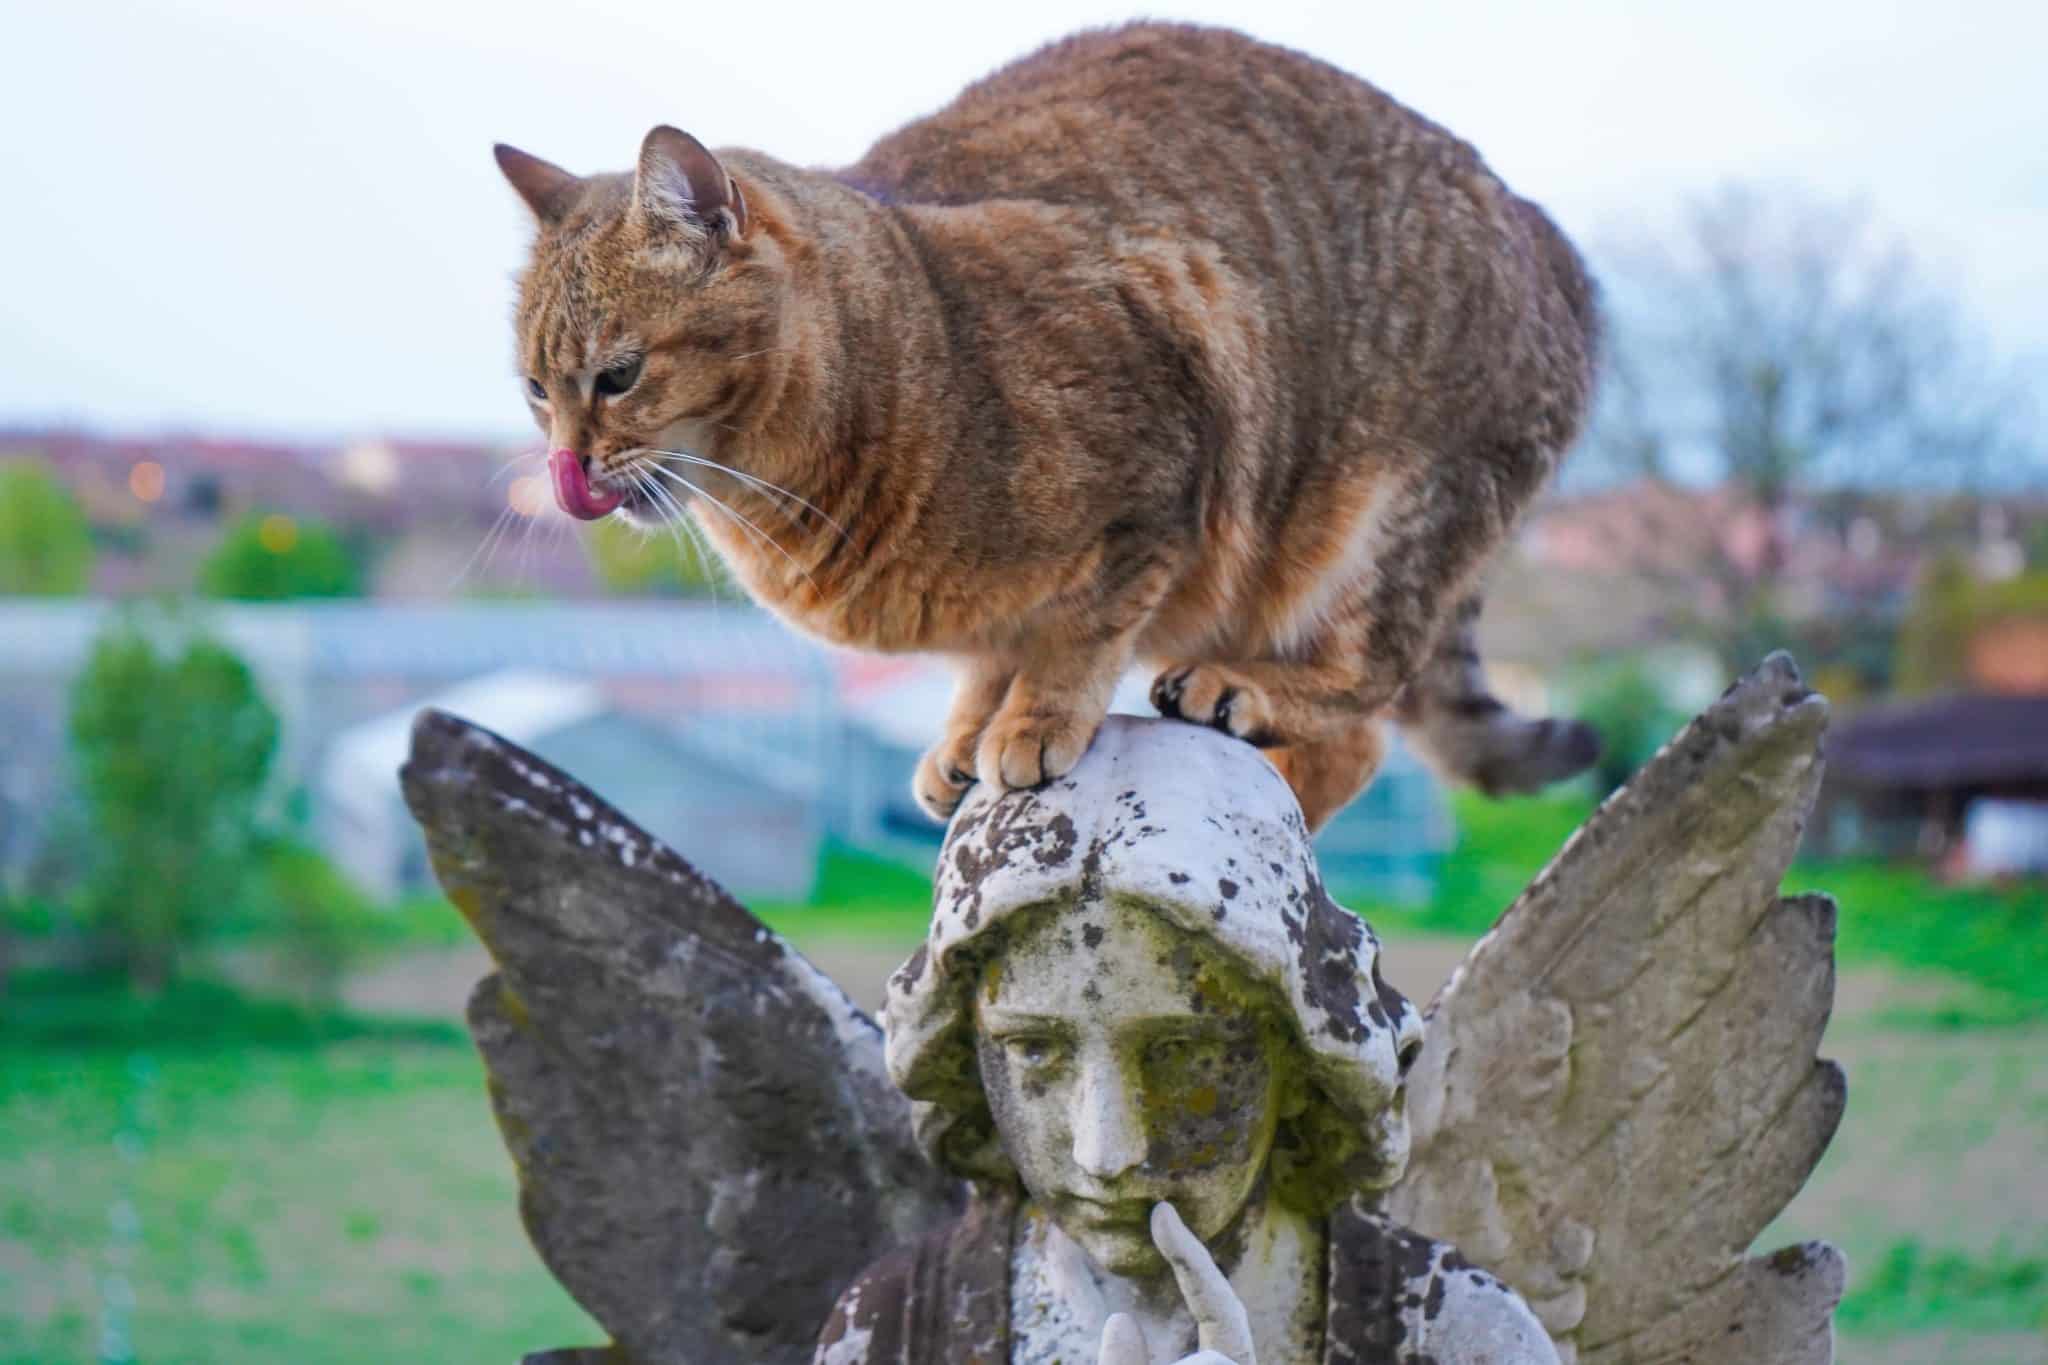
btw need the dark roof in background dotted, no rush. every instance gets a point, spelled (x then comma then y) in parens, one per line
(1945, 742)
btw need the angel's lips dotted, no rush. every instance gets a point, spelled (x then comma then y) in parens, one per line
(573, 493)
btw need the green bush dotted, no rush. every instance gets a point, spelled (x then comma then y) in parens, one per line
(322, 922)
(1628, 708)
(171, 748)
(45, 542)
(81, 1012)
(660, 564)
(1502, 844)
(276, 558)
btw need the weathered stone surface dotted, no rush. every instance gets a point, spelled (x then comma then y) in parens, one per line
(1613, 1095)
(1619, 1088)
(1138, 1022)
(709, 1147)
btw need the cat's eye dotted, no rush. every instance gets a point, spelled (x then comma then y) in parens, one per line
(535, 391)
(616, 379)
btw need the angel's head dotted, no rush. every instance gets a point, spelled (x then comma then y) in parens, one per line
(1135, 989)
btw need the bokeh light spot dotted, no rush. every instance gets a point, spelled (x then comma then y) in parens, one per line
(528, 496)
(278, 533)
(146, 480)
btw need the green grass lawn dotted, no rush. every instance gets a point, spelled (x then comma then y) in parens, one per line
(210, 1179)
(208, 1182)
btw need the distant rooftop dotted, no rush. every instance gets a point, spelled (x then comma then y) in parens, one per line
(1960, 741)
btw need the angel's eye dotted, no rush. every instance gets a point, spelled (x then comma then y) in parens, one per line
(618, 378)
(1033, 1049)
(535, 391)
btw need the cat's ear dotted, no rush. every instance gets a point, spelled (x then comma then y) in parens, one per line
(547, 189)
(679, 180)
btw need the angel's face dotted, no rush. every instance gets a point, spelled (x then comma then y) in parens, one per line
(1124, 1066)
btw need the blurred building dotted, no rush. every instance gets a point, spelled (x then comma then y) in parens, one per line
(1958, 780)
(748, 835)
(345, 677)
(743, 744)
(1386, 845)
(1915, 779)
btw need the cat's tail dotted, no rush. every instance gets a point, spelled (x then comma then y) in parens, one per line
(1469, 736)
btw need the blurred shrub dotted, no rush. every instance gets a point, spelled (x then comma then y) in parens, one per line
(171, 747)
(45, 541)
(323, 924)
(1949, 608)
(1626, 704)
(83, 1012)
(1936, 628)
(276, 558)
(657, 564)
(1502, 844)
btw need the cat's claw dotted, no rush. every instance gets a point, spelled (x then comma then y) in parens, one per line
(1030, 750)
(940, 783)
(1206, 695)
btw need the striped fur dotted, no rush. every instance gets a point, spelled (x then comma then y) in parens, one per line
(1160, 345)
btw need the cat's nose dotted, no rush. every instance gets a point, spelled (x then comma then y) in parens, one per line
(573, 493)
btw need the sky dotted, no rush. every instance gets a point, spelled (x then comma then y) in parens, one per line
(281, 217)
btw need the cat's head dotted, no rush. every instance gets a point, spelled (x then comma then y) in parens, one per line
(651, 318)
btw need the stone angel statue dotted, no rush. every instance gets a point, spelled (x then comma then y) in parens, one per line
(1142, 1096)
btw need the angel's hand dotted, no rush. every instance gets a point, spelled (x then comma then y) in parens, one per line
(1223, 1334)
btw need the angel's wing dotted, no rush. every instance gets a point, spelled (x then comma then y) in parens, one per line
(1618, 1088)
(709, 1148)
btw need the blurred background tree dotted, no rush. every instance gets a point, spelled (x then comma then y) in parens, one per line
(1936, 628)
(1625, 703)
(629, 560)
(321, 920)
(272, 557)
(1775, 345)
(1948, 613)
(45, 542)
(172, 745)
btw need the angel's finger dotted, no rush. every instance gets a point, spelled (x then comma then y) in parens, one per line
(1123, 1342)
(1220, 1321)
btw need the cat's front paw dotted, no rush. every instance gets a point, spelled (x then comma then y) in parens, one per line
(942, 778)
(1031, 748)
(1208, 695)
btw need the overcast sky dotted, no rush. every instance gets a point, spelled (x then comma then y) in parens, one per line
(281, 216)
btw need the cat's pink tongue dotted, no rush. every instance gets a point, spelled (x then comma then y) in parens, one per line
(572, 488)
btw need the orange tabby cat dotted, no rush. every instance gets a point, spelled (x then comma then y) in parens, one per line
(1161, 344)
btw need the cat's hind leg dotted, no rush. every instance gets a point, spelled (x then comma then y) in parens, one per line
(1374, 634)
(1325, 774)
(947, 769)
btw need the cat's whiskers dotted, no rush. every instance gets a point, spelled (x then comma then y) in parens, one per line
(673, 516)
(753, 481)
(505, 514)
(739, 519)
(513, 463)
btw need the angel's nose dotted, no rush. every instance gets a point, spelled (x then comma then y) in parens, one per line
(1109, 1131)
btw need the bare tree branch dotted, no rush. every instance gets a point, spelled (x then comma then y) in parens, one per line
(1779, 346)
